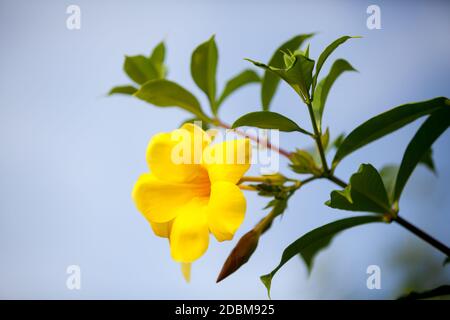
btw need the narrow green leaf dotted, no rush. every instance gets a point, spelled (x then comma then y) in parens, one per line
(326, 53)
(321, 92)
(430, 130)
(245, 77)
(158, 54)
(325, 139)
(270, 81)
(157, 58)
(203, 69)
(312, 242)
(298, 76)
(427, 160)
(386, 123)
(366, 192)
(433, 293)
(336, 143)
(122, 90)
(164, 93)
(446, 261)
(140, 69)
(388, 175)
(268, 120)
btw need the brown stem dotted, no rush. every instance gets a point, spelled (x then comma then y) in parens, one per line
(405, 224)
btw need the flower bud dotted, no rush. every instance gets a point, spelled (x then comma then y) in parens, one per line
(240, 254)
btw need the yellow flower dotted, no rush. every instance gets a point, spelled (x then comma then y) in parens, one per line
(191, 189)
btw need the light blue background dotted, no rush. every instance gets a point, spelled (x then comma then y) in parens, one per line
(70, 155)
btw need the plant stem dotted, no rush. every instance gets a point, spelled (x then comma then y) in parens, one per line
(326, 174)
(285, 153)
(337, 181)
(318, 139)
(405, 224)
(245, 187)
(423, 235)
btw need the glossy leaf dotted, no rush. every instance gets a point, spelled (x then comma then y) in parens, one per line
(427, 160)
(245, 77)
(389, 175)
(366, 192)
(164, 93)
(314, 241)
(430, 130)
(298, 76)
(336, 143)
(386, 123)
(325, 139)
(321, 92)
(123, 90)
(326, 53)
(140, 69)
(270, 81)
(268, 120)
(204, 67)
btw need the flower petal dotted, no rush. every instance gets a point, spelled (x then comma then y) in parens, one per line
(161, 229)
(186, 271)
(176, 156)
(227, 161)
(159, 201)
(226, 210)
(189, 237)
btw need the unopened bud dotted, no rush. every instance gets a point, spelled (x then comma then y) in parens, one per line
(240, 254)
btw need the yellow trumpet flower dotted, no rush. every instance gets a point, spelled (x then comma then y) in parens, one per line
(191, 190)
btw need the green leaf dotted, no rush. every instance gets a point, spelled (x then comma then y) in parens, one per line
(268, 120)
(312, 242)
(427, 160)
(322, 90)
(157, 58)
(270, 81)
(386, 123)
(245, 77)
(325, 139)
(164, 93)
(302, 162)
(203, 69)
(326, 53)
(336, 143)
(366, 192)
(388, 175)
(446, 261)
(122, 90)
(420, 144)
(298, 76)
(140, 69)
(436, 292)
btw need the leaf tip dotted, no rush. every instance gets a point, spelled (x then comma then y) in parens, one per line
(267, 281)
